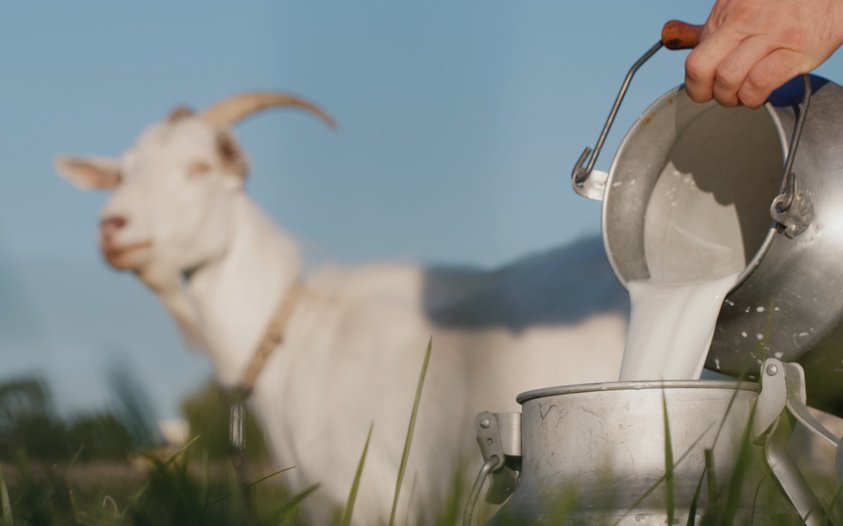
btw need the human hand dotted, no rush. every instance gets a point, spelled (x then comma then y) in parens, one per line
(748, 48)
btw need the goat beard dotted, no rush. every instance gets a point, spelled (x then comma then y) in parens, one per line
(167, 285)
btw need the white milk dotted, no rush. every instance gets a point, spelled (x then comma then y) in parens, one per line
(701, 227)
(671, 327)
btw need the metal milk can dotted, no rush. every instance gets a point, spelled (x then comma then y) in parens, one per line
(655, 453)
(711, 180)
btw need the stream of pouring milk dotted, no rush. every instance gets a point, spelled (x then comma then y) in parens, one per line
(694, 250)
(671, 327)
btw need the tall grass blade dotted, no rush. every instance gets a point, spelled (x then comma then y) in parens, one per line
(661, 479)
(73, 460)
(108, 500)
(5, 504)
(710, 474)
(204, 488)
(352, 495)
(267, 477)
(731, 404)
(450, 512)
(742, 465)
(74, 507)
(412, 498)
(291, 506)
(181, 451)
(158, 465)
(831, 505)
(668, 463)
(695, 501)
(755, 500)
(255, 483)
(408, 442)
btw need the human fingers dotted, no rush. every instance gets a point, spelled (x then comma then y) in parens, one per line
(735, 67)
(768, 74)
(701, 64)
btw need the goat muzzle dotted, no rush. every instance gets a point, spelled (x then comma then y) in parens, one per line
(118, 255)
(109, 226)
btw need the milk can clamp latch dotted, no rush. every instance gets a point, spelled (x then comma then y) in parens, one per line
(792, 209)
(781, 408)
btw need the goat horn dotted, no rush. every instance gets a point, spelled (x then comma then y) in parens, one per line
(228, 112)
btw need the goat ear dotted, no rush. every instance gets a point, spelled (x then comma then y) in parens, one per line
(232, 157)
(179, 113)
(89, 173)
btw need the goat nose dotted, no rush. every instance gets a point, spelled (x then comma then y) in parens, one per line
(111, 224)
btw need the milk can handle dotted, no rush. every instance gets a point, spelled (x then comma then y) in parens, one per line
(499, 438)
(471, 503)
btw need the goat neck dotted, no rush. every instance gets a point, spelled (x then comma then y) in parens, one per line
(236, 295)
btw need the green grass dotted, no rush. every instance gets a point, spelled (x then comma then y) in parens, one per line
(355, 485)
(5, 505)
(173, 491)
(668, 464)
(197, 485)
(99, 469)
(194, 485)
(408, 442)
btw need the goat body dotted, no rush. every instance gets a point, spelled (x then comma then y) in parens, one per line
(353, 348)
(352, 355)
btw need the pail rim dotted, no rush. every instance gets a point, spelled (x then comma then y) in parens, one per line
(669, 100)
(527, 396)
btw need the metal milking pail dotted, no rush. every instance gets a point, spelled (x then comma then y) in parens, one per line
(696, 451)
(734, 177)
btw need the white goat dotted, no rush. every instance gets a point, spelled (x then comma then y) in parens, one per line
(353, 339)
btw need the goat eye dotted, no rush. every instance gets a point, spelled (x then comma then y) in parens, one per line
(198, 168)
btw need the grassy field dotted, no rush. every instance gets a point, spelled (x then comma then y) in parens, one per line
(110, 468)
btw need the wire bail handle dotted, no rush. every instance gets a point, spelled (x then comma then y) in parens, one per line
(791, 209)
(675, 35)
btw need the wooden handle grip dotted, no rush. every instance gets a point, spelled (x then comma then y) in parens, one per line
(679, 35)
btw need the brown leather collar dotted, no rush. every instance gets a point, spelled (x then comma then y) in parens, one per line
(272, 338)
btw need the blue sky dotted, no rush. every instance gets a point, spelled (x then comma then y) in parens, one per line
(459, 124)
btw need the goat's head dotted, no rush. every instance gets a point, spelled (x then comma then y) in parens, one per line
(172, 202)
